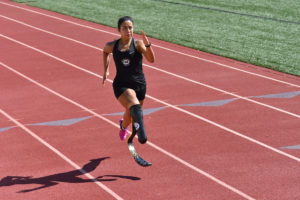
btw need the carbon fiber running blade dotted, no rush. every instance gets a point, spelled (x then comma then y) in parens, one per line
(139, 160)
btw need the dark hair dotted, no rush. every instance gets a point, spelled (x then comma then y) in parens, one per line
(123, 19)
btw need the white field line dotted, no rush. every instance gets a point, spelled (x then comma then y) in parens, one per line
(117, 126)
(168, 49)
(167, 104)
(155, 68)
(65, 158)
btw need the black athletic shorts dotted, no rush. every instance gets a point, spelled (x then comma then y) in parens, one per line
(140, 89)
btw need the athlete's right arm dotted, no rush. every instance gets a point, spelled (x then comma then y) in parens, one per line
(107, 50)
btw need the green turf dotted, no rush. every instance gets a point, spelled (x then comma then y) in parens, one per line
(261, 32)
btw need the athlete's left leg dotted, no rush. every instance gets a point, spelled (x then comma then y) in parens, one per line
(133, 109)
(127, 116)
(138, 122)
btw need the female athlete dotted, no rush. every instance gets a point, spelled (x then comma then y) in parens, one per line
(129, 83)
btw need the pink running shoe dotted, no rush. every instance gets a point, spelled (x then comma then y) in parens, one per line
(123, 131)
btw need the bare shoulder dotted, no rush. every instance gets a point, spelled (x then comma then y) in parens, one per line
(139, 43)
(140, 46)
(109, 46)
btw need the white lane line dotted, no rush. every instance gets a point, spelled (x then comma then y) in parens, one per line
(60, 19)
(168, 49)
(155, 68)
(49, 55)
(229, 130)
(51, 33)
(172, 106)
(117, 126)
(65, 158)
(229, 93)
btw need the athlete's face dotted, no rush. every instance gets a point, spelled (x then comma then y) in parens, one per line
(126, 29)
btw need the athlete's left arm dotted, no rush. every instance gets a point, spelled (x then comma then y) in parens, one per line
(145, 48)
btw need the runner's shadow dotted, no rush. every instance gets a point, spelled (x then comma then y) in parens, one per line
(66, 177)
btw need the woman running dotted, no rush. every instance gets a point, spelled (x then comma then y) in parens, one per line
(129, 83)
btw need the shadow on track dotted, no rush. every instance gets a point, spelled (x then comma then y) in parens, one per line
(66, 177)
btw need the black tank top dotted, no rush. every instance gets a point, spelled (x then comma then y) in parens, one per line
(129, 65)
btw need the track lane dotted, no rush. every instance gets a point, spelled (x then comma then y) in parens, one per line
(181, 110)
(70, 74)
(102, 142)
(251, 100)
(28, 164)
(236, 163)
(238, 96)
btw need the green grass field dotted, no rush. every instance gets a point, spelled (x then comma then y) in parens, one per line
(261, 32)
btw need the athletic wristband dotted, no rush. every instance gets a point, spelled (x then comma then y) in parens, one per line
(148, 45)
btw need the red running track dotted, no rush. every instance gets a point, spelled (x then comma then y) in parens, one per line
(51, 71)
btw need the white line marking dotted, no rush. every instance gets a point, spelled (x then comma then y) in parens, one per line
(151, 67)
(229, 93)
(51, 56)
(174, 51)
(51, 33)
(117, 126)
(65, 158)
(60, 19)
(229, 130)
(167, 104)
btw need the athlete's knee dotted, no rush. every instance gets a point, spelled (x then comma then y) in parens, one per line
(136, 112)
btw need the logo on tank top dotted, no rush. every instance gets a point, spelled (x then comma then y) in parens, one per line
(126, 62)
